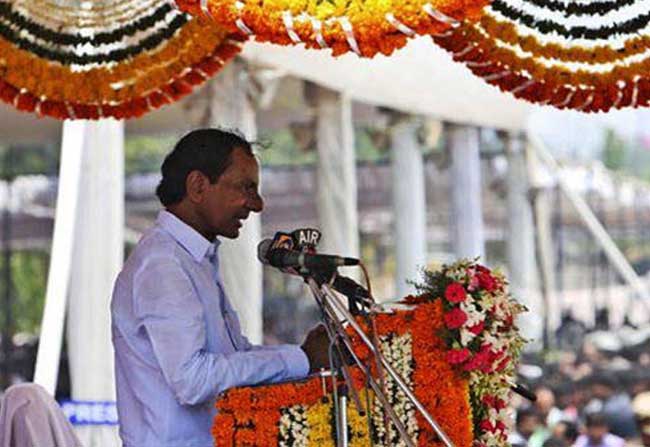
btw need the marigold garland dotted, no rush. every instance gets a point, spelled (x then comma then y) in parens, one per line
(589, 56)
(366, 27)
(459, 369)
(44, 70)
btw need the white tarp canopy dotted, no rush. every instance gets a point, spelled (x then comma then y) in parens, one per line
(420, 78)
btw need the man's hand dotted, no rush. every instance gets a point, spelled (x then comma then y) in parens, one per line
(316, 346)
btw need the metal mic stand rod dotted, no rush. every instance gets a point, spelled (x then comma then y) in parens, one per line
(394, 374)
(330, 319)
(331, 315)
(337, 362)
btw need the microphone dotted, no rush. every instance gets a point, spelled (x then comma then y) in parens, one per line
(284, 258)
(353, 290)
(523, 392)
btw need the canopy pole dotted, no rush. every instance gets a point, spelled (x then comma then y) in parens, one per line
(49, 347)
(594, 226)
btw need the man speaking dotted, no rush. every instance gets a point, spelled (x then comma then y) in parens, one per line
(177, 339)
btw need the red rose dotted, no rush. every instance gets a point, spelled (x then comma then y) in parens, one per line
(477, 328)
(483, 360)
(501, 426)
(455, 318)
(456, 356)
(489, 400)
(486, 425)
(503, 364)
(480, 361)
(487, 282)
(455, 293)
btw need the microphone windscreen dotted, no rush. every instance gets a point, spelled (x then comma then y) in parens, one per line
(263, 251)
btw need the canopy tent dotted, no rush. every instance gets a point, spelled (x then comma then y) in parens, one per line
(418, 79)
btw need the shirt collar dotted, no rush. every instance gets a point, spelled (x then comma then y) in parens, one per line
(188, 237)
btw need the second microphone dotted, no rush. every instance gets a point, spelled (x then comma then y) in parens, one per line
(283, 258)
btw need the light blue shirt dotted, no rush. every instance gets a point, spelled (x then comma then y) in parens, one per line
(178, 342)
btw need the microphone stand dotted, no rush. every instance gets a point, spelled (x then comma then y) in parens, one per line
(331, 306)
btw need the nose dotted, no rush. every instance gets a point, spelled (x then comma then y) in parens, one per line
(256, 203)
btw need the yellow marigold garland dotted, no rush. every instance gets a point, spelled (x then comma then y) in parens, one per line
(366, 27)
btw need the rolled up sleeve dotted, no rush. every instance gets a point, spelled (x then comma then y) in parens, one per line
(170, 311)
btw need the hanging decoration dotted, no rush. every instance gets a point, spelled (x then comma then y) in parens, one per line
(591, 56)
(79, 59)
(366, 27)
(456, 346)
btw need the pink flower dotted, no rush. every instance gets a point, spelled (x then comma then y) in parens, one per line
(455, 293)
(455, 318)
(456, 356)
(477, 328)
(473, 283)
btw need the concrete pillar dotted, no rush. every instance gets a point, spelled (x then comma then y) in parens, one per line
(336, 173)
(231, 107)
(520, 243)
(466, 224)
(409, 203)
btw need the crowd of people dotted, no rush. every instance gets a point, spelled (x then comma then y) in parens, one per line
(587, 399)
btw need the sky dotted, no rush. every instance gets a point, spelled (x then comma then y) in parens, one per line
(578, 135)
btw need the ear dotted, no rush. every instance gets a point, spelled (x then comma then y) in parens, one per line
(195, 186)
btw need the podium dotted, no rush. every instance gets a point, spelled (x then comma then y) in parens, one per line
(445, 361)
(301, 413)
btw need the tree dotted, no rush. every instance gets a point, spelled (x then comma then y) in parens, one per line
(614, 151)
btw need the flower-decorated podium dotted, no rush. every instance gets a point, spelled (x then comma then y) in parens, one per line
(455, 346)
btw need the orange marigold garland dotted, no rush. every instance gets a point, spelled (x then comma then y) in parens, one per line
(153, 57)
(366, 27)
(590, 56)
(457, 347)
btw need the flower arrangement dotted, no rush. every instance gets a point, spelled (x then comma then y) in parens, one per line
(149, 59)
(366, 27)
(456, 346)
(482, 339)
(588, 56)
